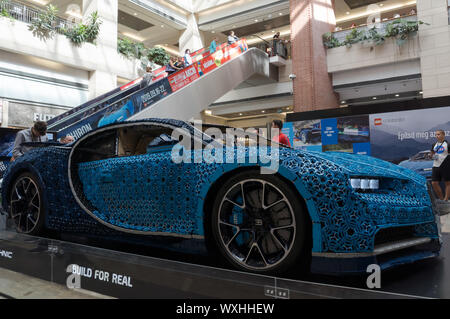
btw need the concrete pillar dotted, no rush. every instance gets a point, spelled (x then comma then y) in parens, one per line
(435, 47)
(192, 38)
(101, 82)
(313, 89)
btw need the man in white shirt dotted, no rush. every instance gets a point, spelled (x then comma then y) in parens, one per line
(441, 166)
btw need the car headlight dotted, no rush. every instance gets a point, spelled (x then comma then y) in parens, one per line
(364, 184)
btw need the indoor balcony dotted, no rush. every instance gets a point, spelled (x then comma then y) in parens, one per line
(366, 71)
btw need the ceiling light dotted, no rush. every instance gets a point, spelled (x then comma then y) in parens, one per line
(135, 14)
(347, 12)
(208, 112)
(240, 114)
(397, 95)
(343, 102)
(281, 13)
(43, 3)
(263, 111)
(213, 31)
(374, 98)
(162, 25)
(381, 4)
(256, 20)
(421, 92)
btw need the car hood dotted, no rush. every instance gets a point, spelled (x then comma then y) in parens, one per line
(363, 165)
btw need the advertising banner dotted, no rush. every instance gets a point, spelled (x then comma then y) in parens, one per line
(152, 94)
(406, 137)
(403, 138)
(182, 78)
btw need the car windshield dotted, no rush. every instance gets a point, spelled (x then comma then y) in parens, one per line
(420, 156)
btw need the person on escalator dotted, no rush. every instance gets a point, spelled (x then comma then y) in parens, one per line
(213, 45)
(232, 38)
(148, 77)
(187, 58)
(179, 64)
(171, 67)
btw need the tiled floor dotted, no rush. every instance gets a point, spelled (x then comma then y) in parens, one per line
(19, 286)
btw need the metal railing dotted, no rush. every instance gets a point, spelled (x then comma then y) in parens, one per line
(28, 14)
(340, 35)
(273, 47)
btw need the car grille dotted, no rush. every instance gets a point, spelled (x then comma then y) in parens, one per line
(392, 234)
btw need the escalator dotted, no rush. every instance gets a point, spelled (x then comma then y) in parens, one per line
(182, 95)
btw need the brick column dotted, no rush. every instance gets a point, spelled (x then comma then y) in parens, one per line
(310, 19)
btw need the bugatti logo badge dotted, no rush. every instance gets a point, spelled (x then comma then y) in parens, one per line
(378, 121)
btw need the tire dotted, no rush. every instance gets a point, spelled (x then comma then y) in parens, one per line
(265, 234)
(26, 205)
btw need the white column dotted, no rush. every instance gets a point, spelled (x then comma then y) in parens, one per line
(101, 82)
(435, 47)
(192, 38)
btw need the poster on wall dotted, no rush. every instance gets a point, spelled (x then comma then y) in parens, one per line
(345, 134)
(406, 137)
(307, 135)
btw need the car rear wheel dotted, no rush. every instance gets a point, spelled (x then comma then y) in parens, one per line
(259, 224)
(26, 204)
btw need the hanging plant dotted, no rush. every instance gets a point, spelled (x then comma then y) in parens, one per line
(84, 32)
(402, 29)
(353, 37)
(330, 41)
(374, 36)
(44, 25)
(399, 29)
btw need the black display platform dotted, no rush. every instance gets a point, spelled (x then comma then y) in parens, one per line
(137, 276)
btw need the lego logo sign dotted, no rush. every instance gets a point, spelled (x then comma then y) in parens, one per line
(378, 121)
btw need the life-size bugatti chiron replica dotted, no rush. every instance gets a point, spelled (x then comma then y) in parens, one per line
(333, 212)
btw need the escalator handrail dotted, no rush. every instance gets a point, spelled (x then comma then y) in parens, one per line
(135, 92)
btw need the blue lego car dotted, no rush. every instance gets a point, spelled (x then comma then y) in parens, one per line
(330, 212)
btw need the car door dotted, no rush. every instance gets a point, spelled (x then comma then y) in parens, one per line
(142, 189)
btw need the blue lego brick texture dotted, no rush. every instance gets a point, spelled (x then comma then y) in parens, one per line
(122, 192)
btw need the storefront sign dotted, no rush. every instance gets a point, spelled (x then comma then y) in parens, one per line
(24, 115)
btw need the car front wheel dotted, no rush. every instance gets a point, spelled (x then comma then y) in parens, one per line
(259, 224)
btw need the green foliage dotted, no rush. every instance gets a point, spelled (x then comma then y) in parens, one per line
(3, 11)
(84, 32)
(44, 25)
(131, 49)
(137, 50)
(158, 55)
(354, 36)
(400, 29)
(374, 36)
(330, 41)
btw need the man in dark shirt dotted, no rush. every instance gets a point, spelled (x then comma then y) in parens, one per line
(280, 138)
(38, 133)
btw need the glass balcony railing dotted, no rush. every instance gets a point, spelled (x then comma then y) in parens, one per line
(341, 34)
(28, 14)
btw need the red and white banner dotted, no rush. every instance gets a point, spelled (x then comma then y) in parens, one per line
(183, 78)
